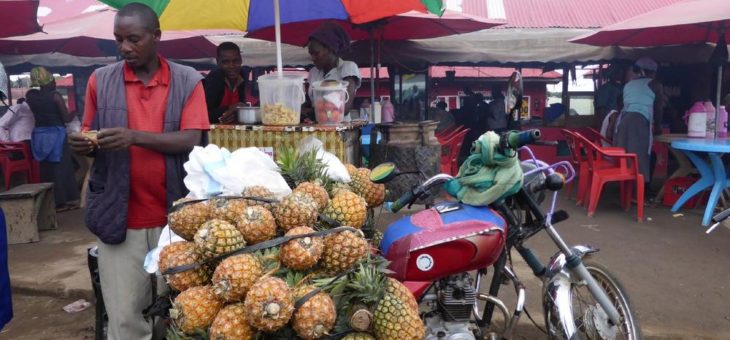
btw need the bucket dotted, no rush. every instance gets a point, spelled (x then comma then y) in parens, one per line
(329, 98)
(281, 98)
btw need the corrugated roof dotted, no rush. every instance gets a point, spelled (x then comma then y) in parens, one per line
(490, 72)
(563, 13)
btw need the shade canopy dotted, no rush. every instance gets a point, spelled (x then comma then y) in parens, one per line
(18, 17)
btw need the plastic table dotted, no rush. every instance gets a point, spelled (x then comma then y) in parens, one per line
(712, 174)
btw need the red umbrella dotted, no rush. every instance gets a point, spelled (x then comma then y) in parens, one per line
(91, 35)
(410, 25)
(18, 17)
(688, 22)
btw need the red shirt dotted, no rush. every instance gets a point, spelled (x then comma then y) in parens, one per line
(230, 97)
(146, 105)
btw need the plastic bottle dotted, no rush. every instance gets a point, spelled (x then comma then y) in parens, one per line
(377, 112)
(710, 110)
(696, 119)
(722, 123)
(388, 112)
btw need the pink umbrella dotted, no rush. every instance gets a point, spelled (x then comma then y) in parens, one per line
(91, 35)
(18, 17)
(687, 22)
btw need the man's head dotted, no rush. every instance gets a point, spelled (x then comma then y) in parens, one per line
(137, 32)
(645, 67)
(441, 105)
(497, 92)
(228, 57)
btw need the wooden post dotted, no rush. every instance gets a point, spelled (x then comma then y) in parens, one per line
(564, 94)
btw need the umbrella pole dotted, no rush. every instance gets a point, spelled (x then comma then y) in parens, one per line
(372, 72)
(277, 32)
(717, 99)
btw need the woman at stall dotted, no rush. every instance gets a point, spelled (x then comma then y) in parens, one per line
(641, 117)
(48, 139)
(325, 45)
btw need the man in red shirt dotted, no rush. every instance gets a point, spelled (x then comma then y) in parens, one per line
(150, 113)
(225, 86)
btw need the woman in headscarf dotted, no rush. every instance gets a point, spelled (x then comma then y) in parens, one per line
(641, 117)
(48, 140)
(325, 46)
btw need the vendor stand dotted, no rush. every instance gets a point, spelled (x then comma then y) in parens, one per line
(342, 140)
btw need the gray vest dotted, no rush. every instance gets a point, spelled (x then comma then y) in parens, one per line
(108, 195)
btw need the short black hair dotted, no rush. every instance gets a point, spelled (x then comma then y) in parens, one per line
(227, 46)
(441, 105)
(142, 11)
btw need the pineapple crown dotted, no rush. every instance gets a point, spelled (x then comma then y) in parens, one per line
(367, 284)
(298, 167)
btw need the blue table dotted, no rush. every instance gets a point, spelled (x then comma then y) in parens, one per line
(712, 174)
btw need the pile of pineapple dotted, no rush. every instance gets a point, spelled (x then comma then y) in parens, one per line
(254, 267)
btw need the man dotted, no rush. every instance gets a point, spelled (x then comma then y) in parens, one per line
(150, 113)
(496, 113)
(607, 96)
(225, 86)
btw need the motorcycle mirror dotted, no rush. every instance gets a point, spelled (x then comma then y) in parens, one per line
(514, 92)
(383, 173)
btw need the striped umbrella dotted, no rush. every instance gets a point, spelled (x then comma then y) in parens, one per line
(250, 15)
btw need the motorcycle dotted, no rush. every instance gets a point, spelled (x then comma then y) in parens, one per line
(434, 252)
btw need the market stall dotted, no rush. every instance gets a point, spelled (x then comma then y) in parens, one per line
(343, 140)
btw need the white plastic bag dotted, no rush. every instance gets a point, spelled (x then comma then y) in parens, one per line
(335, 169)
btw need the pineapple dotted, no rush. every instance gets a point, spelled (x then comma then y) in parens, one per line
(392, 317)
(315, 317)
(297, 168)
(194, 309)
(374, 194)
(358, 336)
(338, 187)
(401, 292)
(351, 169)
(301, 253)
(235, 275)
(316, 192)
(217, 237)
(228, 209)
(295, 210)
(258, 191)
(342, 250)
(269, 304)
(394, 320)
(256, 224)
(348, 209)
(179, 254)
(231, 324)
(187, 219)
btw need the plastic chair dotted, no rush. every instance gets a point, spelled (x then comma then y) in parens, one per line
(624, 170)
(35, 170)
(10, 166)
(596, 137)
(449, 133)
(450, 152)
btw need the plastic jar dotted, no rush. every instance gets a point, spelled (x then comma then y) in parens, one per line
(281, 98)
(329, 98)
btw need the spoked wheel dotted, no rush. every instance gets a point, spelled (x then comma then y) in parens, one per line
(591, 320)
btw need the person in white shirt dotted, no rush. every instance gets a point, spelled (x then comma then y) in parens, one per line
(325, 45)
(17, 123)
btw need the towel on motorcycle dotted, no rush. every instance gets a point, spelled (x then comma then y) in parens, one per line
(486, 175)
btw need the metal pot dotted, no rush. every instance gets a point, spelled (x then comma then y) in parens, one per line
(249, 115)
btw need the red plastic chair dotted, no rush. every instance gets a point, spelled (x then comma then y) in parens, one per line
(447, 131)
(596, 137)
(450, 152)
(10, 166)
(35, 170)
(624, 170)
(451, 132)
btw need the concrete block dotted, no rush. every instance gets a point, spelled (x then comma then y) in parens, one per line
(28, 208)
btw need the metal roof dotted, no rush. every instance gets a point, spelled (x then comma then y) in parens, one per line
(560, 13)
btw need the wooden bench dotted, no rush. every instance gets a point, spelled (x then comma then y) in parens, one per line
(28, 208)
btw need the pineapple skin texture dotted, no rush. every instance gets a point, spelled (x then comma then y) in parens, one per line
(265, 292)
(235, 275)
(316, 317)
(197, 307)
(301, 253)
(231, 324)
(342, 250)
(394, 320)
(178, 254)
(347, 208)
(217, 237)
(256, 224)
(186, 221)
(295, 210)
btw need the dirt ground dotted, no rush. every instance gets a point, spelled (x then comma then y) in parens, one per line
(43, 317)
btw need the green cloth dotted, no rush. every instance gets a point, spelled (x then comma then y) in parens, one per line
(487, 175)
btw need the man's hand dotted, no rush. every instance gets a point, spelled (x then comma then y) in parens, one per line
(116, 139)
(79, 144)
(229, 116)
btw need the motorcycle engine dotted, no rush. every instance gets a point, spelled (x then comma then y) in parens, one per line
(455, 297)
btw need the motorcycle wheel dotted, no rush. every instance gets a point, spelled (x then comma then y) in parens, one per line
(591, 320)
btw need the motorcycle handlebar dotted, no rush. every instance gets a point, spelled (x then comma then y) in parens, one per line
(518, 139)
(402, 201)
